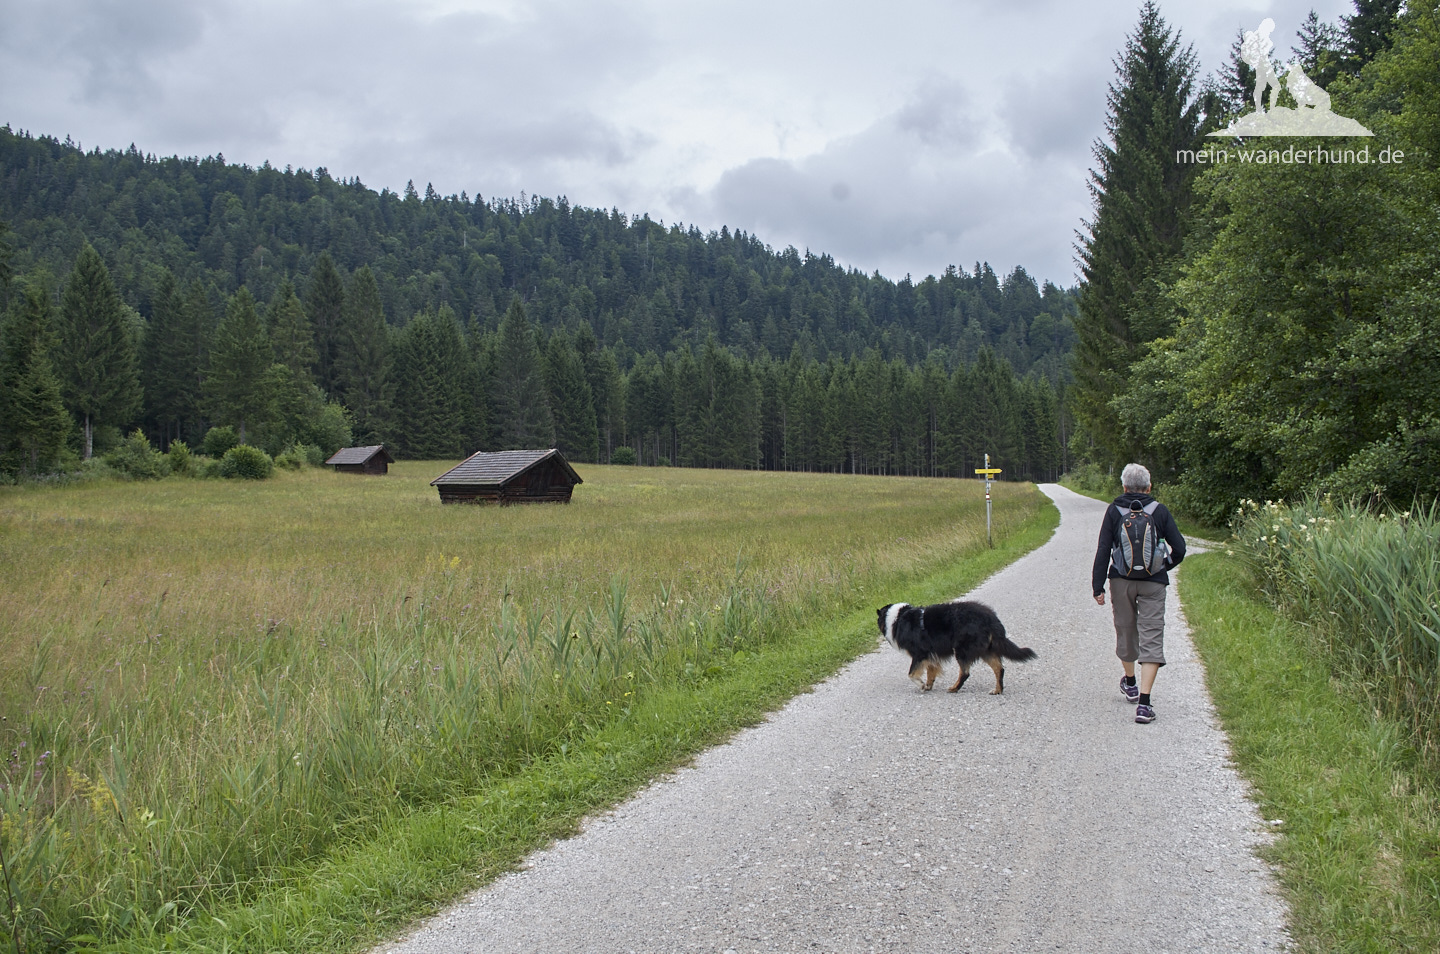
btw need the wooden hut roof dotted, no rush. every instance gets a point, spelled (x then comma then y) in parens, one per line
(484, 469)
(359, 455)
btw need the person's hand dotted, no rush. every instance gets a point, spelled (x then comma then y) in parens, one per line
(1099, 599)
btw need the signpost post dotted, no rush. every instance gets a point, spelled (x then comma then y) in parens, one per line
(989, 472)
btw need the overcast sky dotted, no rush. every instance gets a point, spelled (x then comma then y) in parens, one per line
(901, 136)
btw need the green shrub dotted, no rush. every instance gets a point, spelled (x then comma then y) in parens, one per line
(219, 440)
(248, 462)
(291, 458)
(623, 455)
(205, 468)
(1094, 479)
(297, 455)
(136, 459)
(181, 460)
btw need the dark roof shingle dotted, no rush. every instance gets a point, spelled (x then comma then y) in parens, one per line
(486, 469)
(356, 455)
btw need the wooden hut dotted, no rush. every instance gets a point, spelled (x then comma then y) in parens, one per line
(517, 476)
(362, 460)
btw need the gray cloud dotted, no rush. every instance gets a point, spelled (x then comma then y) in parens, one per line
(901, 138)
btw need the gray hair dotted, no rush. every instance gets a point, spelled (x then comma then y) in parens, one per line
(1135, 478)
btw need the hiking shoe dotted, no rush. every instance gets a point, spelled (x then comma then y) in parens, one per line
(1132, 691)
(1144, 714)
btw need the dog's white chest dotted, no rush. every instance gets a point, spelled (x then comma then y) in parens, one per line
(891, 616)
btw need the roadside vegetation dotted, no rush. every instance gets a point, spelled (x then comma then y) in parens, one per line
(1317, 723)
(293, 714)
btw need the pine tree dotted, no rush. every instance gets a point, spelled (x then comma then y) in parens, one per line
(364, 363)
(95, 352)
(237, 387)
(325, 303)
(1142, 196)
(521, 404)
(33, 419)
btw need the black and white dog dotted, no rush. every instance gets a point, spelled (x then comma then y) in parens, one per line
(963, 629)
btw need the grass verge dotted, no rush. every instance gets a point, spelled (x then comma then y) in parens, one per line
(1358, 851)
(412, 862)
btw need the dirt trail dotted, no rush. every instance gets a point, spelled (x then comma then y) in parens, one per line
(867, 816)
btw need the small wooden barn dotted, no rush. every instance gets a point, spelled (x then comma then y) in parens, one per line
(362, 460)
(505, 477)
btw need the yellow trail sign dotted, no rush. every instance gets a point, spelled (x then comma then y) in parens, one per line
(987, 470)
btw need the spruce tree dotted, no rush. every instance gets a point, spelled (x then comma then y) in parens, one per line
(1142, 193)
(429, 363)
(363, 362)
(171, 359)
(291, 334)
(193, 335)
(33, 419)
(576, 434)
(95, 352)
(1320, 51)
(325, 303)
(237, 387)
(1368, 33)
(520, 400)
(7, 251)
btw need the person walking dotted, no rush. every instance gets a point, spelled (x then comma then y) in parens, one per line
(1138, 574)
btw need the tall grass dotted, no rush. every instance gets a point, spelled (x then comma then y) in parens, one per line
(1367, 585)
(208, 687)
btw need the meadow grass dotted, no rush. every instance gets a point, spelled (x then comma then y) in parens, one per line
(1358, 843)
(216, 692)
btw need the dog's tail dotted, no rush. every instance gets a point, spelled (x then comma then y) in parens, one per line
(1005, 649)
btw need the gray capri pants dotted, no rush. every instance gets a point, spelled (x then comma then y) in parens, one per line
(1139, 607)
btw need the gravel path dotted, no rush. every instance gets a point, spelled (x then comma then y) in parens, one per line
(867, 816)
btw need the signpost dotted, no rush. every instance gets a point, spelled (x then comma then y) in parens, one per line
(989, 472)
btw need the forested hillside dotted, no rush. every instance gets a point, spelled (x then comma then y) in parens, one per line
(1269, 329)
(701, 349)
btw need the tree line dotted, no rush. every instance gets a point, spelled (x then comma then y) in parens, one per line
(1263, 330)
(642, 286)
(80, 366)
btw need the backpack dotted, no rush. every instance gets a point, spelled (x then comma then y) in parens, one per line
(1140, 550)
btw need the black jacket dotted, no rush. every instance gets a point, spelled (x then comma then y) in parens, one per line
(1110, 533)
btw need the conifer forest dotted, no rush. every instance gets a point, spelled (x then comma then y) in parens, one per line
(293, 308)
